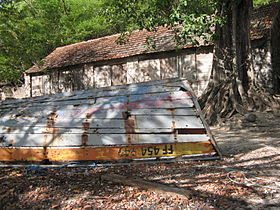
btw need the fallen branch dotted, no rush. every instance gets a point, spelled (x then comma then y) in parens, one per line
(147, 185)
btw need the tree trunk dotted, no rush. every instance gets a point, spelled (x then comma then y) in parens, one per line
(232, 86)
(275, 52)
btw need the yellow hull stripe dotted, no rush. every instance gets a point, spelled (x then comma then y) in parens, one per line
(106, 153)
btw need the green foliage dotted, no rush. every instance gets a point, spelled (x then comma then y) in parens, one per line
(263, 2)
(31, 29)
(189, 19)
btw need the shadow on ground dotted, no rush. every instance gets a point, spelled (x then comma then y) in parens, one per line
(247, 177)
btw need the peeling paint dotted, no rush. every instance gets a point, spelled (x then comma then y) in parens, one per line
(147, 120)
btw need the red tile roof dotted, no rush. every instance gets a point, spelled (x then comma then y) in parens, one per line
(106, 48)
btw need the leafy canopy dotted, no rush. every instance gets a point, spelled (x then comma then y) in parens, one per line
(31, 29)
(189, 19)
(263, 2)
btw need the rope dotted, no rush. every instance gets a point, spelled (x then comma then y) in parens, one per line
(48, 170)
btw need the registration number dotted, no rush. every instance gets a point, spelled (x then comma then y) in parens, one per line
(148, 151)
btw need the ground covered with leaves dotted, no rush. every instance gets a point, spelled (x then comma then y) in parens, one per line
(248, 177)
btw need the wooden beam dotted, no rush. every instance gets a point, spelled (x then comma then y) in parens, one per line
(147, 185)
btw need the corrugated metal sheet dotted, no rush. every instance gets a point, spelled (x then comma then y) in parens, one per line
(152, 119)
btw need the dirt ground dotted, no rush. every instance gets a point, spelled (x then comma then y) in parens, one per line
(248, 177)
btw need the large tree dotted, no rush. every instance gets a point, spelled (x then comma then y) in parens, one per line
(31, 29)
(233, 86)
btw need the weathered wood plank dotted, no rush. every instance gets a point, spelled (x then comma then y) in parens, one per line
(168, 121)
(41, 130)
(179, 81)
(147, 121)
(73, 139)
(130, 90)
(178, 97)
(82, 112)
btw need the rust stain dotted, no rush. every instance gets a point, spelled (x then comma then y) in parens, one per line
(45, 140)
(50, 123)
(51, 129)
(173, 124)
(175, 131)
(129, 126)
(84, 138)
(88, 115)
(172, 110)
(59, 139)
(52, 115)
(8, 130)
(51, 120)
(86, 125)
(10, 142)
(45, 153)
(129, 138)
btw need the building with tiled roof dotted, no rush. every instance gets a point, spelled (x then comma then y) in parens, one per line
(102, 62)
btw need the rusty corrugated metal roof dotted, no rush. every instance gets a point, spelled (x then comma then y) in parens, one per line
(106, 48)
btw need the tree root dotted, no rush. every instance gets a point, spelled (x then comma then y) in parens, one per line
(222, 101)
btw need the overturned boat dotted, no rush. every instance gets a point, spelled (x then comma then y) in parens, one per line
(159, 119)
